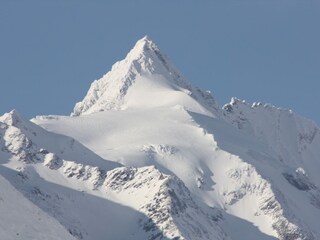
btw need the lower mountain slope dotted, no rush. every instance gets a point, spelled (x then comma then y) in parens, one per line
(224, 167)
(87, 197)
(21, 219)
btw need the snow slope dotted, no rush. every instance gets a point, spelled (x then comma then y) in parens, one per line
(223, 167)
(146, 155)
(20, 219)
(87, 197)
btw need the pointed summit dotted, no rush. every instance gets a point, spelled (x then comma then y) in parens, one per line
(137, 82)
(143, 45)
(147, 52)
(146, 57)
(16, 120)
(12, 118)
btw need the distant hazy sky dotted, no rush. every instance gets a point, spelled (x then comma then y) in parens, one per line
(257, 50)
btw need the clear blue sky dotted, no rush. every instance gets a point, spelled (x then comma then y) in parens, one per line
(257, 50)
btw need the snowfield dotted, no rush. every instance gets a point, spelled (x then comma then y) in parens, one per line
(146, 155)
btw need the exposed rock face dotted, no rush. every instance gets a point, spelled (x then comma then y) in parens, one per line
(172, 213)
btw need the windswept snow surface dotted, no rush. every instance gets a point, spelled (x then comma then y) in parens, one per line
(147, 156)
(21, 219)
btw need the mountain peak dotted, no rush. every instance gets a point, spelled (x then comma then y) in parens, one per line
(12, 118)
(147, 53)
(143, 45)
(152, 80)
(146, 57)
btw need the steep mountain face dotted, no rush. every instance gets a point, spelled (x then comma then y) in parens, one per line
(147, 156)
(293, 149)
(290, 136)
(172, 213)
(145, 78)
(21, 219)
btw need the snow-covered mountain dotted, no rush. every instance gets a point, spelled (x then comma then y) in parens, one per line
(145, 155)
(144, 79)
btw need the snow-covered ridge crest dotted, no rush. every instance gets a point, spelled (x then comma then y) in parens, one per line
(146, 64)
(12, 118)
(284, 131)
(29, 143)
